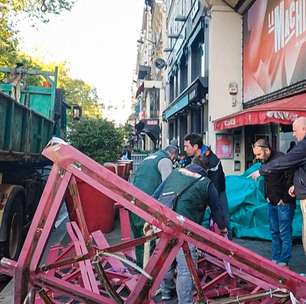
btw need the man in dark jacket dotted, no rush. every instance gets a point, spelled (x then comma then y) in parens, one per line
(281, 205)
(193, 146)
(191, 204)
(152, 171)
(296, 160)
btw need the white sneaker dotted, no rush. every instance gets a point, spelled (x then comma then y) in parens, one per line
(166, 295)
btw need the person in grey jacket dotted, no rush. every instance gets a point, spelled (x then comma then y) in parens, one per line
(294, 159)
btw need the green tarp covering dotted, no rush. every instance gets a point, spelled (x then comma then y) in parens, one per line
(248, 207)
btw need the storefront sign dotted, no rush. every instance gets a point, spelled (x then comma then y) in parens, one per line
(274, 46)
(176, 106)
(228, 123)
(152, 122)
(224, 146)
(282, 115)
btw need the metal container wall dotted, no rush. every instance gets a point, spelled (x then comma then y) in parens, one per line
(23, 132)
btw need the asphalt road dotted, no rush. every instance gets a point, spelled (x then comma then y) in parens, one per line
(297, 263)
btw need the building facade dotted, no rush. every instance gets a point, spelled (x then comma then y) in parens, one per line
(274, 77)
(150, 92)
(235, 73)
(187, 72)
(204, 72)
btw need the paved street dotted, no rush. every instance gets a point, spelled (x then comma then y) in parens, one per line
(263, 248)
(298, 261)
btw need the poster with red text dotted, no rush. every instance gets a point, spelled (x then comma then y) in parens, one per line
(274, 49)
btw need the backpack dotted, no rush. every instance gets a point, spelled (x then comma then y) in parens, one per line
(170, 199)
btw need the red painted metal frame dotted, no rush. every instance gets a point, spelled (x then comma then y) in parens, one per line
(69, 269)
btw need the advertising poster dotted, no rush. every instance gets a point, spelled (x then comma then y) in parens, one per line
(224, 146)
(274, 49)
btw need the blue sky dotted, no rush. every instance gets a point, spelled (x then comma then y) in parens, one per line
(98, 41)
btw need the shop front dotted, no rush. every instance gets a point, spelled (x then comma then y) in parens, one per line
(186, 113)
(274, 77)
(271, 121)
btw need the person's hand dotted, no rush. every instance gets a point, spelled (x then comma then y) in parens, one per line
(291, 191)
(255, 175)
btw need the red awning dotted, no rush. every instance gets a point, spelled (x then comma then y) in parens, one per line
(283, 111)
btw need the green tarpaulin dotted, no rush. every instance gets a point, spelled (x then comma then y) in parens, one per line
(248, 207)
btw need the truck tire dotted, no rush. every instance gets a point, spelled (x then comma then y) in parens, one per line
(13, 244)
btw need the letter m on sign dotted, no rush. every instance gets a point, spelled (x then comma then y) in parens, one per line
(279, 40)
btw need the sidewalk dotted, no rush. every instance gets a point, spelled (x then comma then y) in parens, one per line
(263, 248)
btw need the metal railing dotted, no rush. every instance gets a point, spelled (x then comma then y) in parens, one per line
(137, 159)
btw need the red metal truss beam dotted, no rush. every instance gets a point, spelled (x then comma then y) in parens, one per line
(162, 217)
(113, 281)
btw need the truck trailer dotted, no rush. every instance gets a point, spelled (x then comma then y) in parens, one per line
(29, 116)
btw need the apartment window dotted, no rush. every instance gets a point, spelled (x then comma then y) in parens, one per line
(183, 74)
(196, 120)
(171, 89)
(154, 103)
(176, 85)
(197, 56)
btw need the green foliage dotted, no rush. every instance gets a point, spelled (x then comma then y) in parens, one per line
(79, 92)
(126, 131)
(98, 138)
(13, 10)
(34, 10)
(76, 91)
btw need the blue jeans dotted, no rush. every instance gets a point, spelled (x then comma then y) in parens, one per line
(281, 217)
(184, 283)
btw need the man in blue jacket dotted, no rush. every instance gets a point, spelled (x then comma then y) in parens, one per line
(296, 160)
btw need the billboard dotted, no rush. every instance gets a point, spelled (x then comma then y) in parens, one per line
(224, 146)
(274, 49)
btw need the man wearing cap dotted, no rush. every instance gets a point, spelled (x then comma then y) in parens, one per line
(193, 146)
(281, 205)
(199, 193)
(152, 171)
(296, 160)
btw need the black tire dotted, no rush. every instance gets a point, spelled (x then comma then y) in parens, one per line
(15, 223)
